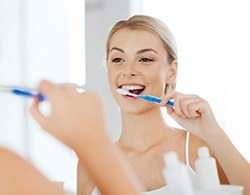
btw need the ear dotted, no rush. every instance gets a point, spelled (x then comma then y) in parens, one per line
(172, 74)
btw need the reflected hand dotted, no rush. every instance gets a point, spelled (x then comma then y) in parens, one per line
(74, 116)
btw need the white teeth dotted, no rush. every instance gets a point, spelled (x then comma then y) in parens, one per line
(132, 87)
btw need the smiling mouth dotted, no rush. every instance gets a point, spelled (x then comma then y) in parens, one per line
(134, 89)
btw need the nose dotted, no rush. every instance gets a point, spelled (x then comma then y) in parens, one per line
(130, 70)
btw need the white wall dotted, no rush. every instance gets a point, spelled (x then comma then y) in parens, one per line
(13, 134)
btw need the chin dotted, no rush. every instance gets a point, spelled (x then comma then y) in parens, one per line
(132, 109)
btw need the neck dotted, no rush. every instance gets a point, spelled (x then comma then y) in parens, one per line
(143, 131)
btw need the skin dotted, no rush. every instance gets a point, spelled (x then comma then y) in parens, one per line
(190, 111)
(20, 177)
(152, 70)
(195, 114)
(145, 136)
(147, 59)
(139, 58)
(75, 122)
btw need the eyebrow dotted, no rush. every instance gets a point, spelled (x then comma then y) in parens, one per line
(116, 48)
(138, 52)
(146, 50)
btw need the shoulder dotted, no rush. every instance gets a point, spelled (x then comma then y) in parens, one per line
(195, 143)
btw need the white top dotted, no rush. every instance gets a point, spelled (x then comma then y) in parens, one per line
(164, 190)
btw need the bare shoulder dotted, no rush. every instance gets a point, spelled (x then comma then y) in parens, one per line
(194, 144)
(85, 185)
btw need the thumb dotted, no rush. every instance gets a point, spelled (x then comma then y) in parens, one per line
(46, 87)
(171, 112)
(34, 110)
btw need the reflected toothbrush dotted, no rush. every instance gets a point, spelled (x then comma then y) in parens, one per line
(145, 97)
(23, 91)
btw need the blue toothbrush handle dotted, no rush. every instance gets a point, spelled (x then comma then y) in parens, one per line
(28, 93)
(170, 103)
(155, 99)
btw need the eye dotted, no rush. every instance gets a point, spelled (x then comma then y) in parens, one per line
(145, 60)
(117, 60)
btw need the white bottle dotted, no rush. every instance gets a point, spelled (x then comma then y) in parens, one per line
(176, 175)
(206, 170)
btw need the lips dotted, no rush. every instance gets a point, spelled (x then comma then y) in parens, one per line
(135, 88)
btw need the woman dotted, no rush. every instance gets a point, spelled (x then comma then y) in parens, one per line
(73, 120)
(141, 57)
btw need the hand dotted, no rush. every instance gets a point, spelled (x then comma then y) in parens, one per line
(74, 116)
(193, 113)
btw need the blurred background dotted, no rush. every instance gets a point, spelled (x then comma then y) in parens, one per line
(63, 41)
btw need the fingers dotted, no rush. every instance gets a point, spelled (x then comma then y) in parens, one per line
(185, 106)
(188, 106)
(46, 88)
(34, 110)
(54, 91)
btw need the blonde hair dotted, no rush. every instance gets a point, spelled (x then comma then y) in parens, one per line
(147, 23)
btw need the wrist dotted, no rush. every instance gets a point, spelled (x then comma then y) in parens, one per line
(216, 139)
(89, 142)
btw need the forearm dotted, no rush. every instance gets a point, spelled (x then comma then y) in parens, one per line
(85, 186)
(77, 119)
(104, 165)
(20, 177)
(235, 166)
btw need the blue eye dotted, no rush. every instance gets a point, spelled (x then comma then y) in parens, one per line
(145, 60)
(117, 60)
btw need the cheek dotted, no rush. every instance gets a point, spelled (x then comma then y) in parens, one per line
(112, 76)
(157, 75)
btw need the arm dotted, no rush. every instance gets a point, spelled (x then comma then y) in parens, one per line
(85, 186)
(195, 115)
(77, 119)
(17, 176)
(236, 167)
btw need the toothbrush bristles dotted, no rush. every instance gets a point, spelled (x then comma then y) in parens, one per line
(125, 92)
(122, 91)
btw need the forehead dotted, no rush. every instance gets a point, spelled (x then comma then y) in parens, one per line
(137, 39)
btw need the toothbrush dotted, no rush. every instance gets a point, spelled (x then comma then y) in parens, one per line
(23, 91)
(145, 97)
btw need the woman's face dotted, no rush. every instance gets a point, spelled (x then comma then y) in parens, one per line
(138, 62)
